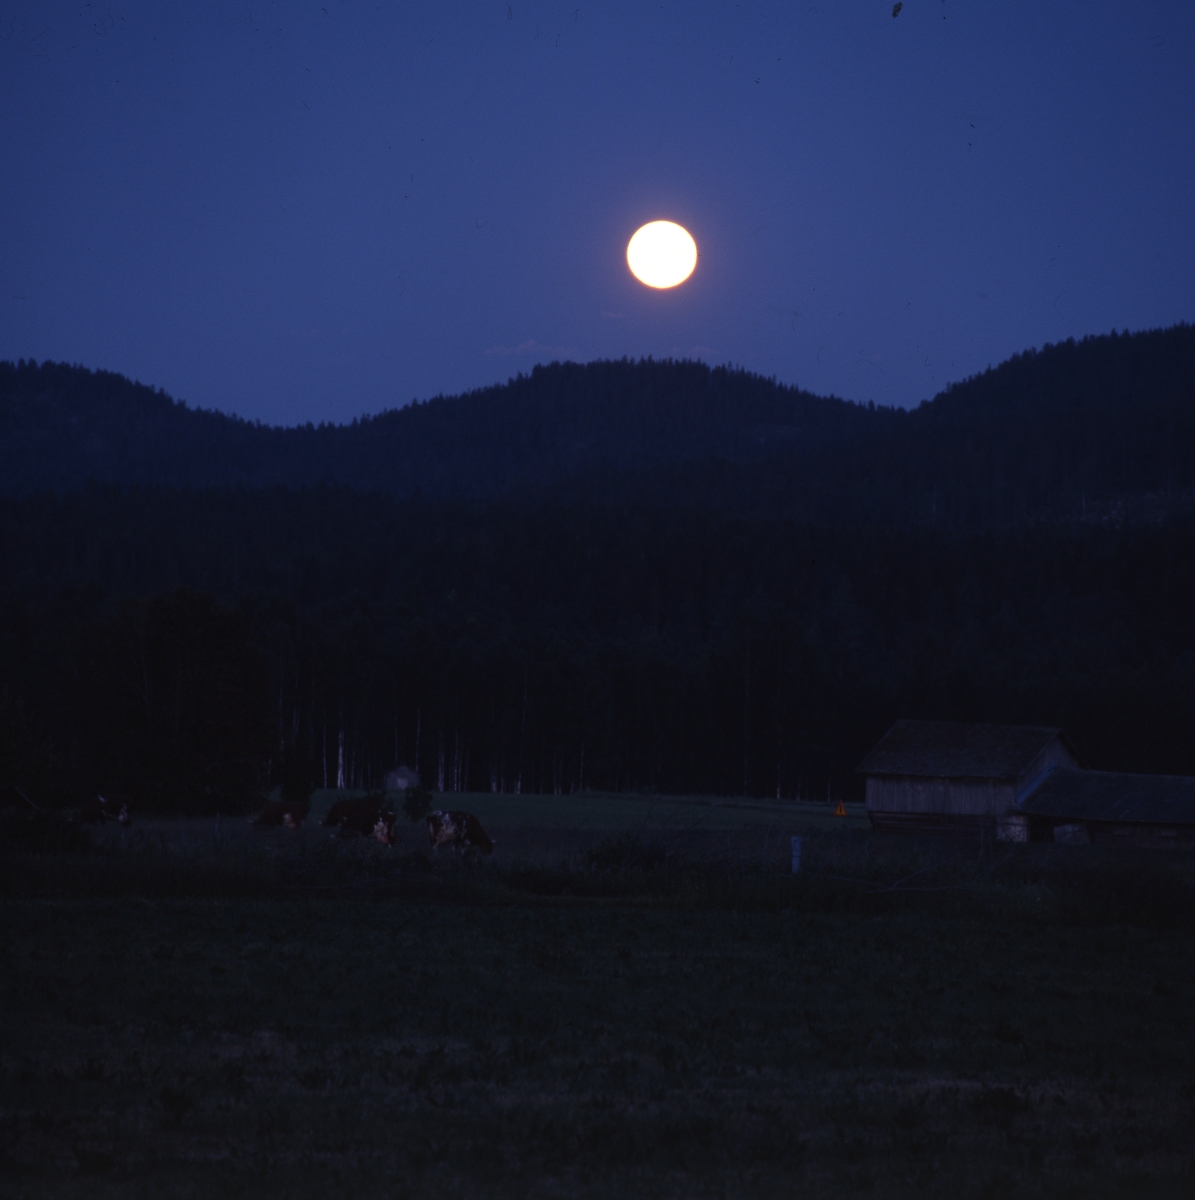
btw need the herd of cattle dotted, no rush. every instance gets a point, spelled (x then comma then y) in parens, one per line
(366, 817)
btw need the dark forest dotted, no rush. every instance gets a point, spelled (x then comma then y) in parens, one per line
(625, 576)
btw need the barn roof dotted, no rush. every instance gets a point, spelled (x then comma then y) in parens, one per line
(957, 750)
(1112, 796)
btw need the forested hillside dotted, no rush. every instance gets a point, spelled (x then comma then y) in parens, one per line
(61, 427)
(1056, 434)
(724, 587)
(1101, 429)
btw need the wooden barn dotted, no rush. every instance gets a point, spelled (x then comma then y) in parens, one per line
(952, 777)
(1111, 809)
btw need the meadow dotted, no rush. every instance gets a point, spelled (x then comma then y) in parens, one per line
(634, 997)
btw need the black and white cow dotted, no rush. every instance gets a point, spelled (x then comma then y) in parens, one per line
(461, 830)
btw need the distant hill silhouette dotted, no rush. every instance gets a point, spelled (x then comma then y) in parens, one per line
(1071, 430)
(62, 426)
(1101, 430)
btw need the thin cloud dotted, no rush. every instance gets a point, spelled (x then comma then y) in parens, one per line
(532, 347)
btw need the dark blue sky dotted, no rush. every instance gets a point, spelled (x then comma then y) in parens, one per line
(311, 211)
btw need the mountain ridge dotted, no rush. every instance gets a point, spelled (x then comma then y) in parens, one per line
(1042, 434)
(63, 426)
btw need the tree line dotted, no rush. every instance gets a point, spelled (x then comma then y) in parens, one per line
(1067, 433)
(194, 648)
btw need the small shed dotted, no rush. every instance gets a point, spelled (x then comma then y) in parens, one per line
(1111, 808)
(954, 777)
(401, 778)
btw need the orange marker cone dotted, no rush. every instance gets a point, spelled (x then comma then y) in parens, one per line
(840, 811)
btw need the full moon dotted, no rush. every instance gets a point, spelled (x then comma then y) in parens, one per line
(661, 254)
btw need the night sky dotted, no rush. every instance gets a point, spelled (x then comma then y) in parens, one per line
(311, 211)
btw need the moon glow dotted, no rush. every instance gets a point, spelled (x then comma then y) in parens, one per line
(662, 254)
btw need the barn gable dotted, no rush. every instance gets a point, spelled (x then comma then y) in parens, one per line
(949, 776)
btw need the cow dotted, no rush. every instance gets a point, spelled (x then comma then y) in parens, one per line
(461, 830)
(107, 808)
(363, 816)
(383, 830)
(288, 813)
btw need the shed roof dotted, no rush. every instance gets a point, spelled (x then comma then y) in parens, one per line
(958, 750)
(1112, 796)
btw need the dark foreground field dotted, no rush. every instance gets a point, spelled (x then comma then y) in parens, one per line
(653, 1017)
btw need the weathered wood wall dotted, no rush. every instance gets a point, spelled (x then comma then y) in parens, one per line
(935, 824)
(961, 798)
(958, 797)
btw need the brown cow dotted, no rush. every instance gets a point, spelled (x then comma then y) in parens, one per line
(460, 830)
(288, 813)
(107, 808)
(363, 816)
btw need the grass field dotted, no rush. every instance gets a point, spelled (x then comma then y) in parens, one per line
(622, 811)
(191, 1012)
